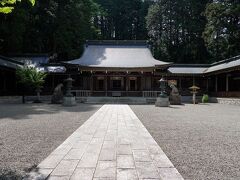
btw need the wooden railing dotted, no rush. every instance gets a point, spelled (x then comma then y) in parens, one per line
(87, 93)
(81, 93)
(150, 93)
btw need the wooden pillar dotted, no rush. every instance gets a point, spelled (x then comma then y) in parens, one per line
(141, 83)
(151, 82)
(127, 83)
(227, 87)
(136, 84)
(106, 85)
(180, 83)
(122, 83)
(207, 84)
(216, 83)
(4, 82)
(91, 83)
(53, 86)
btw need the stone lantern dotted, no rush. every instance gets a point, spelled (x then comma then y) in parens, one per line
(163, 84)
(69, 99)
(194, 92)
(162, 99)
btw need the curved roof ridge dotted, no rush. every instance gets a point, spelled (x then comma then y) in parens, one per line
(117, 42)
(117, 56)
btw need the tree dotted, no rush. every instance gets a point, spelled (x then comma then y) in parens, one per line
(51, 26)
(222, 31)
(122, 19)
(7, 6)
(73, 26)
(175, 28)
(31, 77)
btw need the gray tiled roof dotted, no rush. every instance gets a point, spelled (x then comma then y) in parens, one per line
(9, 63)
(187, 70)
(204, 69)
(32, 60)
(52, 69)
(225, 64)
(39, 62)
(117, 56)
(136, 54)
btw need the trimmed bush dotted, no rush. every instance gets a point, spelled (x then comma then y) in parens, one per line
(205, 98)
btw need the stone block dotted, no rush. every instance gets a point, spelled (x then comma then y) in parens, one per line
(125, 161)
(69, 101)
(65, 168)
(75, 154)
(162, 102)
(106, 169)
(169, 173)
(83, 174)
(147, 170)
(126, 174)
(124, 149)
(51, 161)
(107, 155)
(161, 160)
(89, 160)
(141, 155)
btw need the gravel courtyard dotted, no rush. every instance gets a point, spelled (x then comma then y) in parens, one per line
(202, 141)
(30, 132)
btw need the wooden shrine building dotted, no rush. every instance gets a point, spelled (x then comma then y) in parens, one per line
(125, 68)
(128, 68)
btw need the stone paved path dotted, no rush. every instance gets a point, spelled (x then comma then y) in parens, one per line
(112, 144)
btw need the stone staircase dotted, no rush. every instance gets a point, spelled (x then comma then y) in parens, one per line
(114, 100)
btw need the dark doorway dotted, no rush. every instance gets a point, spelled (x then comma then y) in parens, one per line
(116, 84)
(132, 85)
(101, 85)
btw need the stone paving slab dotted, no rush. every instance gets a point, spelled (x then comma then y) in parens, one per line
(111, 144)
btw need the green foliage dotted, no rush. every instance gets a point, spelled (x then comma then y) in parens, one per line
(186, 31)
(7, 6)
(54, 26)
(31, 77)
(205, 98)
(222, 31)
(122, 19)
(175, 28)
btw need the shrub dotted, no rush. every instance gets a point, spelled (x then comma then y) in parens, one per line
(30, 77)
(205, 98)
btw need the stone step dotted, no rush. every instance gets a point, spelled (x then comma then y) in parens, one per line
(116, 100)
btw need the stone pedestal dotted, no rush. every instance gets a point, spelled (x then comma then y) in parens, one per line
(175, 99)
(194, 99)
(69, 101)
(57, 96)
(162, 102)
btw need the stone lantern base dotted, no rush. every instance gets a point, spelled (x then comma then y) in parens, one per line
(69, 101)
(162, 102)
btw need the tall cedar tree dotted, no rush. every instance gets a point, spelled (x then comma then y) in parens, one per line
(51, 26)
(222, 31)
(122, 19)
(175, 28)
(181, 31)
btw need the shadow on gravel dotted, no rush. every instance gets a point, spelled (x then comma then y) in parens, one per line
(6, 174)
(22, 111)
(10, 175)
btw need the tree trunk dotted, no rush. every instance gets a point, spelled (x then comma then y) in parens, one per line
(38, 96)
(23, 99)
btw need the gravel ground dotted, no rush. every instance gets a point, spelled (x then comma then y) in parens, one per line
(202, 141)
(30, 132)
